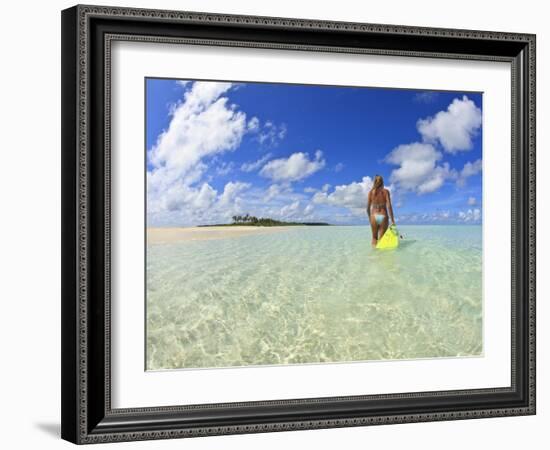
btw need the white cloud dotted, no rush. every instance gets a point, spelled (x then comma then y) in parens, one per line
(420, 164)
(418, 169)
(268, 201)
(273, 191)
(296, 167)
(183, 83)
(338, 167)
(453, 128)
(230, 192)
(205, 197)
(295, 211)
(253, 124)
(352, 196)
(255, 165)
(225, 168)
(310, 190)
(469, 169)
(325, 187)
(425, 96)
(202, 125)
(269, 134)
(291, 210)
(471, 215)
(277, 193)
(308, 210)
(178, 196)
(188, 205)
(472, 201)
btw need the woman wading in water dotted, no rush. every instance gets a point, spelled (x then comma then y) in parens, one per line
(378, 205)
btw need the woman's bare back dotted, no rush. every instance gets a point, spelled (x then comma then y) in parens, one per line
(379, 199)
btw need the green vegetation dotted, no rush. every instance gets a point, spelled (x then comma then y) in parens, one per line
(261, 222)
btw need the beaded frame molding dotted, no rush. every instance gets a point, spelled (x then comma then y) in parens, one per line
(87, 34)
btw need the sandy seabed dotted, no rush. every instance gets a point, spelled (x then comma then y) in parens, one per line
(176, 234)
(312, 295)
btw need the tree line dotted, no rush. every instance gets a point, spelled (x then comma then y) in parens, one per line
(253, 220)
(247, 219)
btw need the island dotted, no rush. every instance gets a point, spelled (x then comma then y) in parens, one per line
(241, 226)
(248, 220)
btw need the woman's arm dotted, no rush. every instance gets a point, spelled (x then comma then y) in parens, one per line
(389, 206)
(368, 204)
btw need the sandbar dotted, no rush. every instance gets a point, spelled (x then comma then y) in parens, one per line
(161, 235)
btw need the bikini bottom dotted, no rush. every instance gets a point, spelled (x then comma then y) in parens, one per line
(379, 218)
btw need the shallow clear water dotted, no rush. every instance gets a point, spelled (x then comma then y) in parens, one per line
(314, 294)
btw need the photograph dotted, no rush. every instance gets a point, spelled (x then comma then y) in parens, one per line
(276, 222)
(310, 224)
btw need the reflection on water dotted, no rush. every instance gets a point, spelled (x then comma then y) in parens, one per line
(314, 294)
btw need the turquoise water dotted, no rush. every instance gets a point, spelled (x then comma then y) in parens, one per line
(314, 294)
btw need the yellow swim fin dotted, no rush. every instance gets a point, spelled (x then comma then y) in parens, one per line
(390, 239)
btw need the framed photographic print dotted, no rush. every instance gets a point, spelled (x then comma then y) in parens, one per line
(276, 224)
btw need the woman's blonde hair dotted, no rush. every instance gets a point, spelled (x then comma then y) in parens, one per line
(378, 182)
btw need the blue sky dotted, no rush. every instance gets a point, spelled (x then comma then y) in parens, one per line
(309, 153)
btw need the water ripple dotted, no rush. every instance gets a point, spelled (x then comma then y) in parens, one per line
(315, 294)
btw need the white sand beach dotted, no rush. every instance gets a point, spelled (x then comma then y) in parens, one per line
(176, 234)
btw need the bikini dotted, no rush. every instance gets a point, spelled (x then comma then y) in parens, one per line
(379, 218)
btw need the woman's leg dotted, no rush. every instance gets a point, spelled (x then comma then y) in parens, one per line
(383, 227)
(374, 228)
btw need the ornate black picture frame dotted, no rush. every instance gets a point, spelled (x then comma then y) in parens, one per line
(87, 33)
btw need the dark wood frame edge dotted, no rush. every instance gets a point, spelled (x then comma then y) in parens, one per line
(86, 413)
